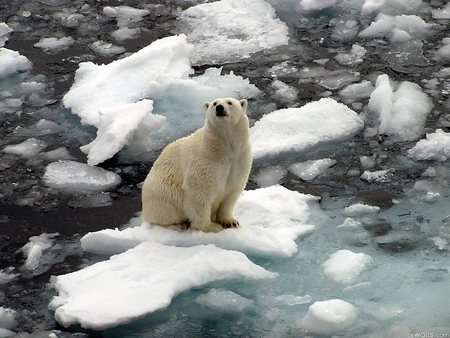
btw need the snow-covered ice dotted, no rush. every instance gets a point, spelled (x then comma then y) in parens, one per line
(231, 30)
(402, 108)
(265, 231)
(345, 266)
(143, 280)
(117, 126)
(397, 29)
(330, 317)
(435, 147)
(12, 62)
(299, 129)
(74, 176)
(133, 91)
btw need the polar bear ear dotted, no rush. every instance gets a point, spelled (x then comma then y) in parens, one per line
(243, 104)
(206, 106)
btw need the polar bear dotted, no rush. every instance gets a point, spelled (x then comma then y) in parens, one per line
(197, 180)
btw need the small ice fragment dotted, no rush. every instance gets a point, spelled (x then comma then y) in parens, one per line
(8, 318)
(380, 176)
(29, 148)
(54, 44)
(360, 209)
(224, 301)
(435, 147)
(34, 249)
(315, 5)
(345, 266)
(12, 62)
(310, 169)
(270, 176)
(330, 317)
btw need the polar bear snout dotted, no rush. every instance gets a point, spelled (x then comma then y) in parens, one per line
(220, 110)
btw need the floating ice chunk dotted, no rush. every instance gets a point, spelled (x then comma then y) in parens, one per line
(125, 15)
(117, 127)
(271, 220)
(106, 49)
(126, 33)
(402, 109)
(345, 266)
(299, 129)
(4, 33)
(12, 62)
(159, 72)
(435, 147)
(344, 30)
(381, 176)
(354, 58)
(329, 317)
(224, 301)
(7, 275)
(316, 5)
(270, 176)
(59, 154)
(357, 91)
(79, 177)
(291, 300)
(360, 209)
(29, 148)
(143, 280)
(284, 92)
(444, 51)
(443, 13)
(229, 30)
(55, 44)
(371, 5)
(382, 25)
(34, 249)
(46, 127)
(145, 73)
(398, 28)
(310, 169)
(8, 318)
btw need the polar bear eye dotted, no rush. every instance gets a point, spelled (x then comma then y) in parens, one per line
(229, 102)
(215, 104)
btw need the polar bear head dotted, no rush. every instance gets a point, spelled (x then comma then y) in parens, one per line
(225, 109)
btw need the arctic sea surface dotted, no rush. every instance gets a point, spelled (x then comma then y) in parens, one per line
(345, 218)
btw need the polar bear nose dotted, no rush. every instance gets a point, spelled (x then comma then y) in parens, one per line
(220, 110)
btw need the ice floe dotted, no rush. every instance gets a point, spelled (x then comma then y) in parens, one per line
(133, 91)
(74, 176)
(299, 129)
(265, 231)
(153, 264)
(230, 30)
(144, 280)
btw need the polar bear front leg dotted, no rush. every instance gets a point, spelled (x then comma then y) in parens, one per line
(197, 208)
(224, 214)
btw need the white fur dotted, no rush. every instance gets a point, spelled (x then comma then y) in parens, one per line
(198, 179)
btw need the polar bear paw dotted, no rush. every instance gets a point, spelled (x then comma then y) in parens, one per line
(230, 224)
